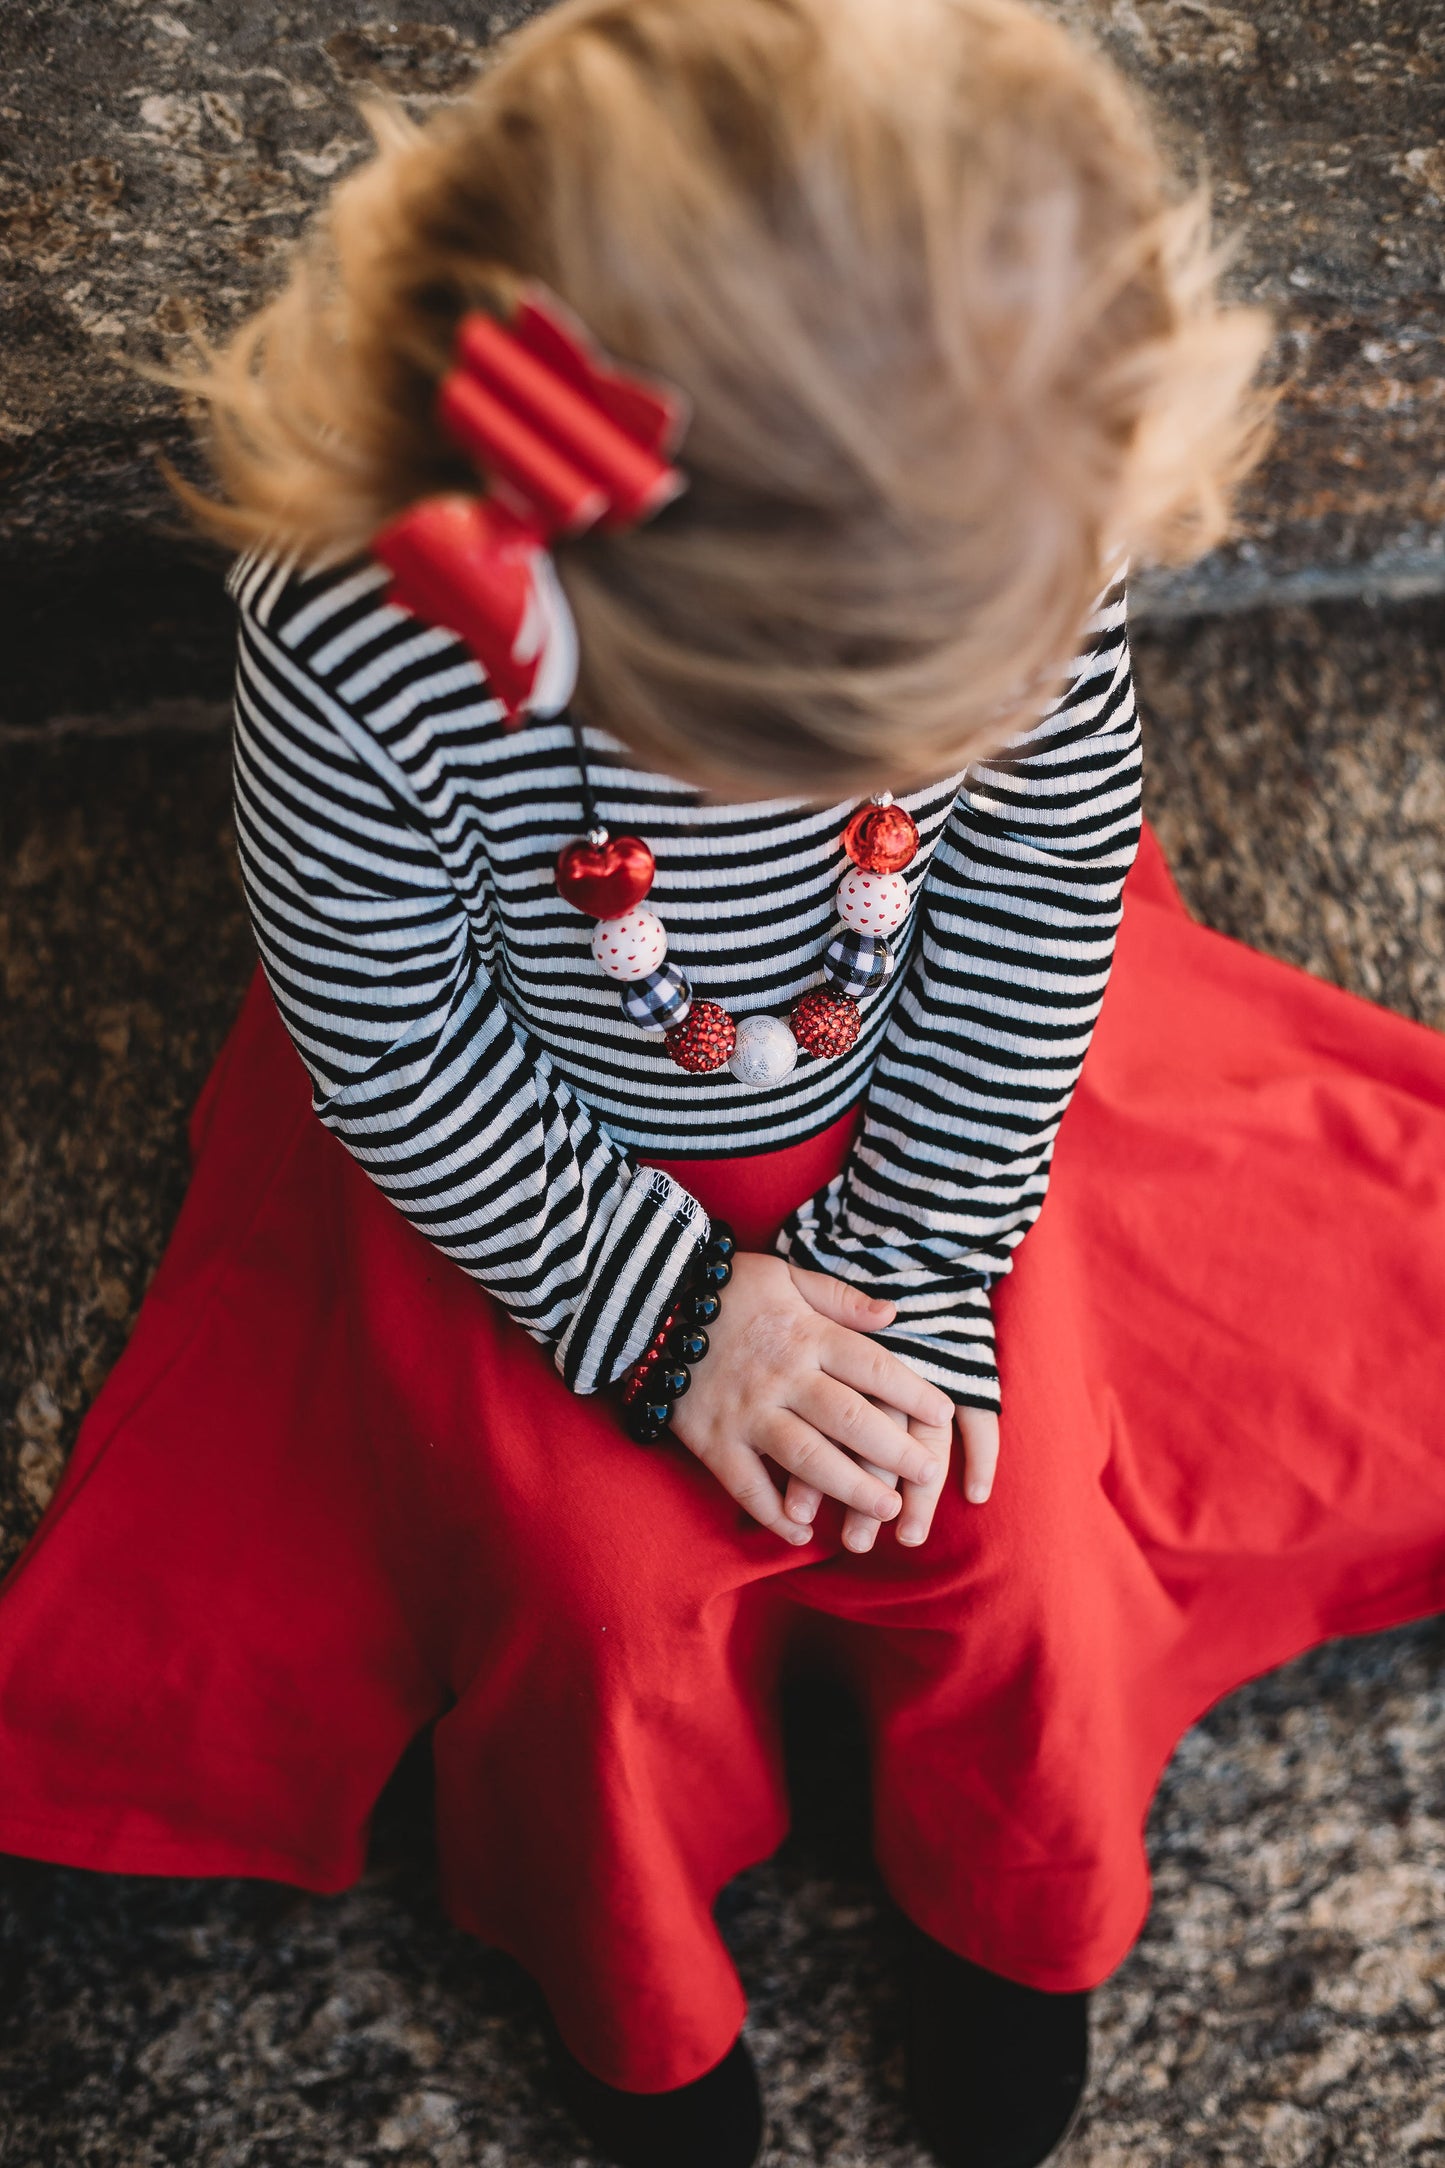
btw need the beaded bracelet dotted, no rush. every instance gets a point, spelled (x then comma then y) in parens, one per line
(659, 1378)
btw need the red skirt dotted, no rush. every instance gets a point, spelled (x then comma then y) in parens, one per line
(331, 1494)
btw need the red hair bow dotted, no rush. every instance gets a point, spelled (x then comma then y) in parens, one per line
(566, 440)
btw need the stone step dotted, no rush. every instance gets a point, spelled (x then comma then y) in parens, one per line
(159, 161)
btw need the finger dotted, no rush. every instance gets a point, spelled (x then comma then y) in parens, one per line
(801, 1500)
(743, 1476)
(920, 1503)
(861, 1427)
(805, 1452)
(860, 1530)
(840, 1303)
(978, 1428)
(882, 1375)
(921, 1499)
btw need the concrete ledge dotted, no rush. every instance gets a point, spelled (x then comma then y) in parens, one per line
(1155, 598)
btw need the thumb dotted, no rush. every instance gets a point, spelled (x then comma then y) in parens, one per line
(840, 1303)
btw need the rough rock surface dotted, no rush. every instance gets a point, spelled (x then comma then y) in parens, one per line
(156, 162)
(1321, 127)
(1284, 2009)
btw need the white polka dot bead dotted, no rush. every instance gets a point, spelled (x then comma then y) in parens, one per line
(764, 1051)
(875, 903)
(631, 946)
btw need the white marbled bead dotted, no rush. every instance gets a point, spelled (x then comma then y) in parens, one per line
(875, 903)
(631, 946)
(764, 1051)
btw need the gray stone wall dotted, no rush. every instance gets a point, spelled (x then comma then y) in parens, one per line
(1324, 129)
(157, 161)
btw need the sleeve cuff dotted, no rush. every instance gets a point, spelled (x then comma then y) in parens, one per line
(954, 1352)
(649, 1242)
(946, 1335)
(971, 1385)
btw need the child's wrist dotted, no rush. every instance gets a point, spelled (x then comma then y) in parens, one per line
(660, 1376)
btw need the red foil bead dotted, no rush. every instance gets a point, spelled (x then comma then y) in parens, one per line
(881, 839)
(825, 1024)
(605, 879)
(705, 1040)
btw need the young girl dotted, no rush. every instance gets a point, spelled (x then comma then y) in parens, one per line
(686, 779)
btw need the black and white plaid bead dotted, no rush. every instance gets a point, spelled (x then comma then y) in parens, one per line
(854, 963)
(659, 1001)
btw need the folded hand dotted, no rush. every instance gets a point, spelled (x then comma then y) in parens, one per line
(792, 1378)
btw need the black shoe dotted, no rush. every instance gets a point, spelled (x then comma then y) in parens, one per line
(995, 2071)
(716, 2122)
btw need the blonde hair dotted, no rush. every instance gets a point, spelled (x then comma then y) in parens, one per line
(949, 327)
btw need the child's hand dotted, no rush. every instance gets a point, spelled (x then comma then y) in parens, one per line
(977, 1430)
(792, 1376)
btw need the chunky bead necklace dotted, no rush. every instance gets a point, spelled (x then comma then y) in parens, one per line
(609, 877)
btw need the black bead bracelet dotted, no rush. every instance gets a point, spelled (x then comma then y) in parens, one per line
(658, 1379)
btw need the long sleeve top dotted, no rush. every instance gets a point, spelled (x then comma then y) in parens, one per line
(397, 845)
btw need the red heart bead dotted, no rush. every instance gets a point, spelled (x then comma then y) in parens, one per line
(605, 879)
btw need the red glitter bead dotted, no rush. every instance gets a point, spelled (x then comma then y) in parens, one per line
(705, 1040)
(826, 1024)
(881, 839)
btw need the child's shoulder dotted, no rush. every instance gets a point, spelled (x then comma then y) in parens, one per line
(293, 599)
(329, 627)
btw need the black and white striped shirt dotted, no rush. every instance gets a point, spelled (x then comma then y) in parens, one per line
(398, 844)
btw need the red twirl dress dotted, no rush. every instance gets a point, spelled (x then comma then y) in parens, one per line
(332, 1494)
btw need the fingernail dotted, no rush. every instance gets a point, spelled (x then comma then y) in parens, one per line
(930, 1470)
(909, 1535)
(799, 1512)
(799, 1535)
(893, 1506)
(978, 1494)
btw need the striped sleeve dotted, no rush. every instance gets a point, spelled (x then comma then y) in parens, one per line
(1020, 909)
(455, 1112)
